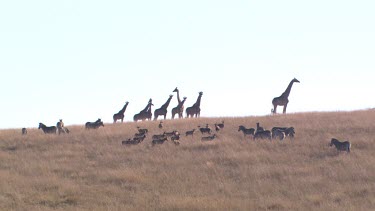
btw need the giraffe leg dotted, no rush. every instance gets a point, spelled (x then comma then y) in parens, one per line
(284, 111)
(274, 109)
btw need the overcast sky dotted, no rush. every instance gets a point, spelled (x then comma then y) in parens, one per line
(79, 60)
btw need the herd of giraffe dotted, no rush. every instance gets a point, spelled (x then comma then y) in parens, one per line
(146, 114)
(193, 111)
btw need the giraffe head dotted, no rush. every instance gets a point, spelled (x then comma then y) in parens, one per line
(170, 96)
(175, 90)
(295, 80)
(200, 93)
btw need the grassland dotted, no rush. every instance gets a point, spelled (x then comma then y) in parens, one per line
(91, 170)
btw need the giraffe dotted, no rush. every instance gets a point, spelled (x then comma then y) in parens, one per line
(120, 115)
(195, 109)
(179, 109)
(162, 111)
(145, 113)
(283, 99)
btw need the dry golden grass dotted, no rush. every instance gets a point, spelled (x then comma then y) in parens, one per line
(91, 170)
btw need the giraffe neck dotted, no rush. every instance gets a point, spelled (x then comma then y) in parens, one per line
(146, 108)
(166, 104)
(287, 91)
(181, 104)
(178, 96)
(124, 108)
(198, 103)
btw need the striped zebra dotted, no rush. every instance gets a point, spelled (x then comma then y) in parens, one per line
(49, 130)
(341, 146)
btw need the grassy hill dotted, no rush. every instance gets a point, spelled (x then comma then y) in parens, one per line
(91, 170)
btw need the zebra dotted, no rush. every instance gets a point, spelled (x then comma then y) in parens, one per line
(50, 130)
(205, 129)
(263, 134)
(278, 134)
(190, 132)
(220, 125)
(341, 146)
(159, 141)
(94, 125)
(289, 131)
(249, 131)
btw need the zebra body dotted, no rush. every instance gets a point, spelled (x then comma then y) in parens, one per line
(94, 125)
(341, 146)
(49, 130)
(246, 131)
(263, 135)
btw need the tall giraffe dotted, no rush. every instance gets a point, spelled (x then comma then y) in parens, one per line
(195, 109)
(162, 111)
(120, 115)
(145, 113)
(283, 99)
(179, 109)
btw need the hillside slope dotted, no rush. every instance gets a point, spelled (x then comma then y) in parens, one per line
(91, 170)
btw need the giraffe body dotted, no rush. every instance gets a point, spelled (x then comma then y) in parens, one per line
(145, 113)
(162, 111)
(283, 99)
(179, 109)
(195, 110)
(121, 114)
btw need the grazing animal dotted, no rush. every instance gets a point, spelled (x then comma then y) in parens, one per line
(159, 141)
(94, 125)
(142, 130)
(190, 132)
(195, 110)
(145, 113)
(205, 129)
(249, 131)
(161, 124)
(217, 128)
(176, 138)
(139, 134)
(263, 135)
(24, 131)
(170, 134)
(162, 111)
(161, 136)
(209, 138)
(180, 106)
(341, 146)
(179, 109)
(278, 134)
(133, 141)
(289, 131)
(283, 99)
(121, 114)
(221, 125)
(49, 130)
(61, 128)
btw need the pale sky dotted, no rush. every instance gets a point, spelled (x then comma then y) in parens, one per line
(79, 60)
